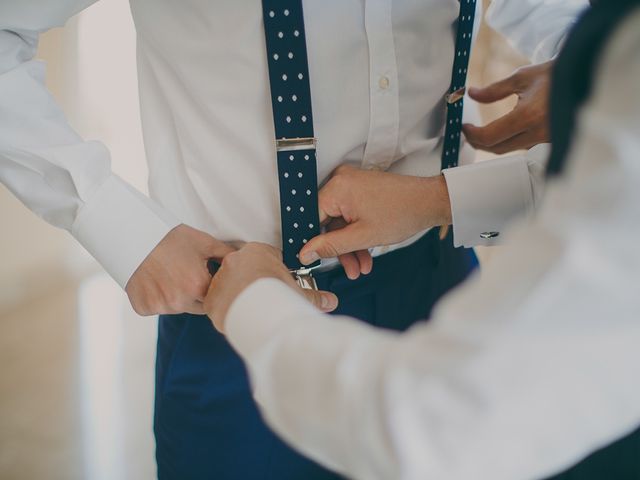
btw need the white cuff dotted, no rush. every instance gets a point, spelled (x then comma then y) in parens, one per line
(119, 227)
(249, 324)
(485, 196)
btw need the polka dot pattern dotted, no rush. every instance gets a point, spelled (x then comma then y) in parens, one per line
(299, 202)
(288, 68)
(293, 118)
(451, 147)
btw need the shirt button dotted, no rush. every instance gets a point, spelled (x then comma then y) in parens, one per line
(488, 235)
(383, 82)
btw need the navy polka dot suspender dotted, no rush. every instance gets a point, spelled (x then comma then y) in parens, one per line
(293, 117)
(293, 121)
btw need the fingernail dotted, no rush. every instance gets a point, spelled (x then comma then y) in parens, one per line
(309, 257)
(327, 302)
(353, 276)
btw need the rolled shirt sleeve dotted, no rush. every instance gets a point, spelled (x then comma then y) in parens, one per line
(61, 177)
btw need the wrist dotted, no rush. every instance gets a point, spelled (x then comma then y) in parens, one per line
(434, 205)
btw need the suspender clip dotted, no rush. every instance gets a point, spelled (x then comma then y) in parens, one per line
(304, 279)
(290, 144)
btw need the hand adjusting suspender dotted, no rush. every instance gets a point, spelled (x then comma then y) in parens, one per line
(295, 142)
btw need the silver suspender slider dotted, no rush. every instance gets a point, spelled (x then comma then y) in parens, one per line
(304, 278)
(290, 144)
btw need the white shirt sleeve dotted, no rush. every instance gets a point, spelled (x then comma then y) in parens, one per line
(486, 196)
(62, 178)
(536, 28)
(520, 373)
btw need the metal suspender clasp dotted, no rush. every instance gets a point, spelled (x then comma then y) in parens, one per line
(290, 144)
(304, 278)
(453, 97)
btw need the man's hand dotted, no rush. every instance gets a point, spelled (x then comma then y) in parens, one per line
(376, 208)
(527, 124)
(240, 269)
(354, 262)
(174, 276)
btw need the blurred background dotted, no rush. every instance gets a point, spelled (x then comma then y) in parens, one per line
(76, 363)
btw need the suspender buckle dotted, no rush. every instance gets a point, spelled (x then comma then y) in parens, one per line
(291, 144)
(453, 97)
(304, 279)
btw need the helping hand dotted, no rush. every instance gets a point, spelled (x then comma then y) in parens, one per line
(240, 269)
(527, 124)
(375, 208)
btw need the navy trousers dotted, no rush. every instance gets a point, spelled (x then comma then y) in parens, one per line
(617, 461)
(206, 423)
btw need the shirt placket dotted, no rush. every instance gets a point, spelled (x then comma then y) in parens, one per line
(384, 120)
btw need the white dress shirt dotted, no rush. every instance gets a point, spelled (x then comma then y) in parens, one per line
(378, 72)
(522, 372)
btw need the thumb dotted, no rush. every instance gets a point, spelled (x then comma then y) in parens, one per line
(494, 92)
(333, 244)
(325, 301)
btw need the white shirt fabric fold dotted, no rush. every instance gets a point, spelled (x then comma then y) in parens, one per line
(522, 372)
(379, 70)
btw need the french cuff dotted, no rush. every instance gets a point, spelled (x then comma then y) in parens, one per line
(250, 325)
(485, 196)
(119, 227)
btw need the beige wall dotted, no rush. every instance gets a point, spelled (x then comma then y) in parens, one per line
(492, 59)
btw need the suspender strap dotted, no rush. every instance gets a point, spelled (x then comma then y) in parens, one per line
(457, 89)
(293, 121)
